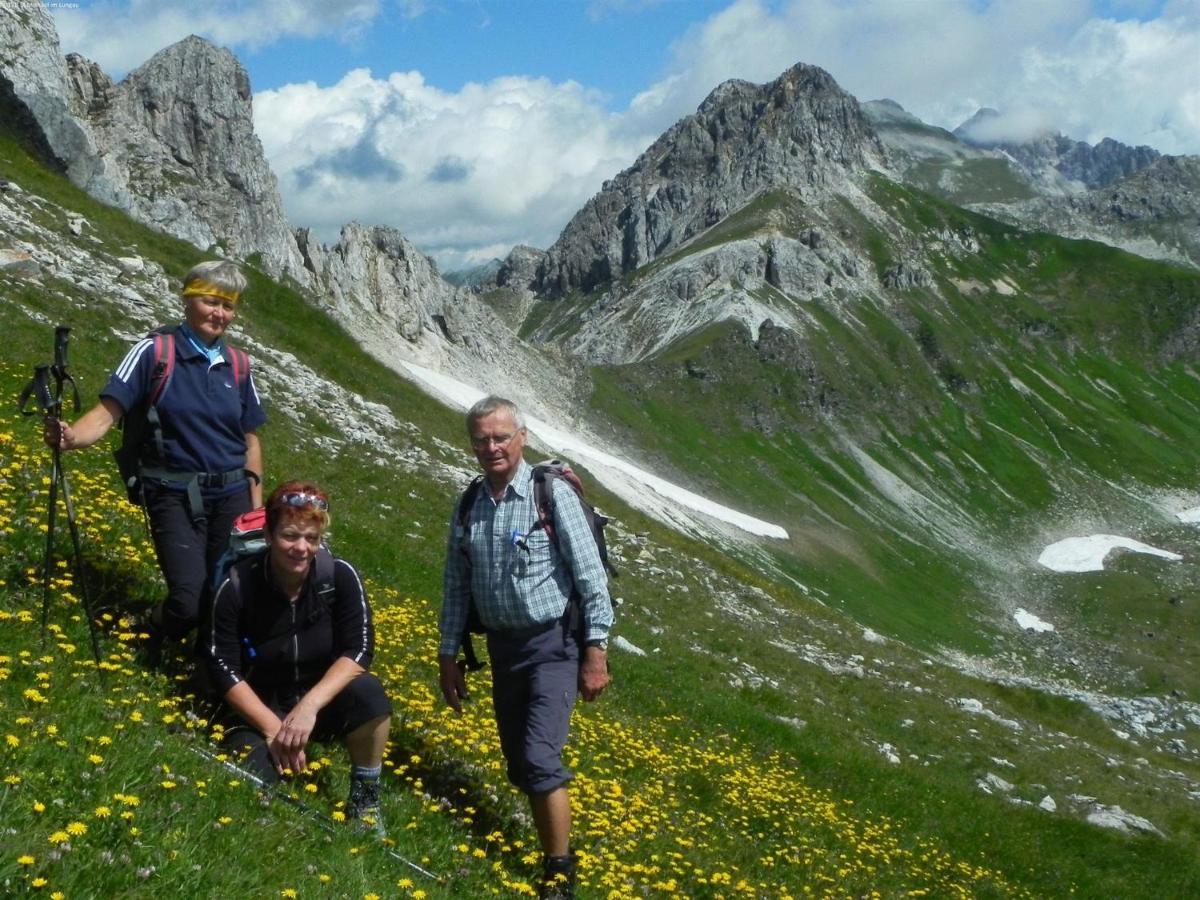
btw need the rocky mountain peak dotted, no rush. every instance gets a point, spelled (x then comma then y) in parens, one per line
(973, 129)
(177, 134)
(173, 144)
(800, 131)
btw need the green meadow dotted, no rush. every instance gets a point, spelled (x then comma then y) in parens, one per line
(763, 746)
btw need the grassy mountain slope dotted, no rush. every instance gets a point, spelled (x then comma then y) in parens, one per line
(928, 443)
(748, 753)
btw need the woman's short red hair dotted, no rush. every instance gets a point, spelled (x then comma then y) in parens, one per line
(301, 501)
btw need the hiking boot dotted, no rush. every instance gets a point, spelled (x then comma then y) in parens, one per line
(363, 806)
(558, 877)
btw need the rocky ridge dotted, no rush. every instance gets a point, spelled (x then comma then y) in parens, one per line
(1154, 213)
(172, 144)
(801, 130)
(35, 92)
(738, 212)
(382, 288)
(1058, 162)
(1133, 198)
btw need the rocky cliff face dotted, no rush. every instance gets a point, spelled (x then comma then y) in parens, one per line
(35, 95)
(381, 287)
(376, 269)
(173, 144)
(800, 130)
(744, 211)
(178, 136)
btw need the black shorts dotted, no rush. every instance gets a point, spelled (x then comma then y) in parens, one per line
(362, 700)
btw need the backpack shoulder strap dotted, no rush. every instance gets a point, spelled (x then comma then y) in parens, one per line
(239, 361)
(160, 380)
(164, 364)
(544, 476)
(323, 577)
(466, 503)
(468, 500)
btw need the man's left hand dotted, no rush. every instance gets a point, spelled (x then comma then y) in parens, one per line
(593, 673)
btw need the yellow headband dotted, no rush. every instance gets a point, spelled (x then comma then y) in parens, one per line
(198, 287)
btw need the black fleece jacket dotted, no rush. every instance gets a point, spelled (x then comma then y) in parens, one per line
(255, 634)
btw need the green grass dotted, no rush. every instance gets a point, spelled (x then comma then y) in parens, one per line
(746, 743)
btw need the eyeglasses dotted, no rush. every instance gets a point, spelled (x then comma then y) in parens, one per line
(304, 499)
(480, 441)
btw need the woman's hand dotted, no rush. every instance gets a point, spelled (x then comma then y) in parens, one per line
(88, 428)
(287, 745)
(57, 433)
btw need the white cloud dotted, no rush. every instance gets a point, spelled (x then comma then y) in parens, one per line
(1016, 124)
(1090, 77)
(117, 33)
(461, 174)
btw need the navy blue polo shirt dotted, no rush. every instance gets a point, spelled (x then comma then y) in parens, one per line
(205, 414)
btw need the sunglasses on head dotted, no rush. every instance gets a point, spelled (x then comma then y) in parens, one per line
(300, 498)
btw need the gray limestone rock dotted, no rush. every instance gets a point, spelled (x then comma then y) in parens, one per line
(35, 96)
(377, 269)
(177, 136)
(1155, 212)
(173, 144)
(800, 130)
(1076, 161)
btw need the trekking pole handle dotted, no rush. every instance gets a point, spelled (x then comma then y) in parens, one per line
(62, 334)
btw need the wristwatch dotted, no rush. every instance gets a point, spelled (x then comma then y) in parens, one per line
(602, 643)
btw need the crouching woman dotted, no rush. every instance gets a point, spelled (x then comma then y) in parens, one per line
(289, 642)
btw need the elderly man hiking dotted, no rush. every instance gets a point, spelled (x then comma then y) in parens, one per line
(543, 602)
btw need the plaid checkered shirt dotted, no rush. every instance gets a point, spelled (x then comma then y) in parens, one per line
(518, 577)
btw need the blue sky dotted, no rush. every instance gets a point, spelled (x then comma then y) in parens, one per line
(474, 125)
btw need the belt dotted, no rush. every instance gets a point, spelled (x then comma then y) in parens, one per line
(194, 481)
(220, 479)
(203, 479)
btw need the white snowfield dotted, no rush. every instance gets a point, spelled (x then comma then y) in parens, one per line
(1086, 554)
(1191, 516)
(623, 479)
(1030, 622)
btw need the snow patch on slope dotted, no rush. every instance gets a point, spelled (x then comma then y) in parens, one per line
(624, 479)
(1087, 554)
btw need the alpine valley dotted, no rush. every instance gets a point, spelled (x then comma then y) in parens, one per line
(915, 361)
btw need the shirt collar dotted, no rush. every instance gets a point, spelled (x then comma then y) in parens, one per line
(213, 353)
(522, 481)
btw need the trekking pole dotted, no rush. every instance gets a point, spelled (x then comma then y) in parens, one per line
(275, 791)
(51, 406)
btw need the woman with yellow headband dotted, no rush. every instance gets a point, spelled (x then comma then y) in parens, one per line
(200, 464)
